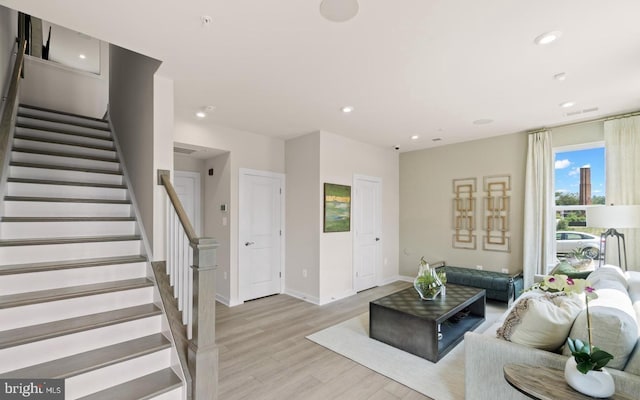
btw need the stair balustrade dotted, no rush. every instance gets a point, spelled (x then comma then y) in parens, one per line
(190, 266)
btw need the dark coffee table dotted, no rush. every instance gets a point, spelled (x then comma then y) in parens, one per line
(405, 321)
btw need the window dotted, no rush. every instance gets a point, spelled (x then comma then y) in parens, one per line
(579, 184)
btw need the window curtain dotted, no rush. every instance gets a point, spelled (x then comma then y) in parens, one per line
(622, 158)
(539, 247)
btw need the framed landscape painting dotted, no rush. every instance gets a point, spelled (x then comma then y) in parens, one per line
(337, 208)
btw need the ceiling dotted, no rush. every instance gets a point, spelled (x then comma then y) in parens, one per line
(413, 67)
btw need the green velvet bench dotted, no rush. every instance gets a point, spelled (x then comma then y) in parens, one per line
(499, 286)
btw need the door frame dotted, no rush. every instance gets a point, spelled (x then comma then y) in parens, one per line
(197, 224)
(242, 174)
(377, 270)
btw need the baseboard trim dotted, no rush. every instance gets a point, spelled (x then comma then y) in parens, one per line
(221, 299)
(346, 294)
(406, 278)
(389, 280)
(302, 296)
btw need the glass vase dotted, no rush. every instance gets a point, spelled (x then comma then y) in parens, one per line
(427, 283)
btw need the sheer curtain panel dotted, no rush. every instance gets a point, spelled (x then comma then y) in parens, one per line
(622, 158)
(539, 247)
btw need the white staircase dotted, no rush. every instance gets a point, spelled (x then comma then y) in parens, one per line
(75, 299)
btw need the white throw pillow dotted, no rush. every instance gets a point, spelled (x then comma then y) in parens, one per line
(607, 276)
(614, 327)
(542, 321)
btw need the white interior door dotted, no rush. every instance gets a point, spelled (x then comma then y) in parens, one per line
(260, 216)
(367, 220)
(187, 185)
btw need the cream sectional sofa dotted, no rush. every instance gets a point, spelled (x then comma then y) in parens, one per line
(616, 318)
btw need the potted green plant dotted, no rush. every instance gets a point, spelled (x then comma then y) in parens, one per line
(427, 283)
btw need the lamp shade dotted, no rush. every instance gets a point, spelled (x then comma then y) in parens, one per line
(617, 217)
(339, 10)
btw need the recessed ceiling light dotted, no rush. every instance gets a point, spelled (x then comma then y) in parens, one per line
(567, 104)
(482, 121)
(560, 77)
(347, 109)
(415, 137)
(547, 37)
(82, 56)
(437, 139)
(206, 20)
(210, 108)
(201, 114)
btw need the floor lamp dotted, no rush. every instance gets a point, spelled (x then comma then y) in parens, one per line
(615, 217)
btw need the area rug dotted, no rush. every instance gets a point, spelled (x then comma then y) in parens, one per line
(443, 380)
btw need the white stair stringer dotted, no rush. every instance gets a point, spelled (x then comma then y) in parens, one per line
(74, 281)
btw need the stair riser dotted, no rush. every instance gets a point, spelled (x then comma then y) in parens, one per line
(64, 127)
(62, 117)
(61, 175)
(64, 191)
(20, 283)
(25, 230)
(64, 161)
(100, 379)
(18, 317)
(41, 351)
(63, 148)
(59, 136)
(67, 252)
(63, 209)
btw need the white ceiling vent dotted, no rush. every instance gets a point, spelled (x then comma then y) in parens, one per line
(578, 112)
(183, 150)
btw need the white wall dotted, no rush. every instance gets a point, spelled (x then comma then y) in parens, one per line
(340, 159)
(247, 150)
(303, 200)
(591, 132)
(217, 224)
(131, 110)
(162, 159)
(8, 28)
(426, 194)
(52, 85)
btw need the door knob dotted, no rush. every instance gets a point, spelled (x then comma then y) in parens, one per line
(249, 243)
(377, 239)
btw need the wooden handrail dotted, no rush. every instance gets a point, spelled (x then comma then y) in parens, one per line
(9, 108)
(182, 215)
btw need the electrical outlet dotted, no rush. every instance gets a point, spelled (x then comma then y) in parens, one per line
(304, 273)
(505, 270)
(480, 267)
(225, 275)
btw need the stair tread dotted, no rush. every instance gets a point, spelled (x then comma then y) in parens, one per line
(142, 388)
(67, 219)
(51, 266)
(32, 107)
(33, 333)
(53, 119)
(18, 149)
(64, 200)
(23, 136)
(87, 135)
(66, 240)
(43, 296)
(66, 183)
(77, 364)
(64, 168)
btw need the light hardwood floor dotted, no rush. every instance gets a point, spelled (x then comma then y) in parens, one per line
(264, 353)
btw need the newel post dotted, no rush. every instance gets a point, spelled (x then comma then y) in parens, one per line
(203, 351)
